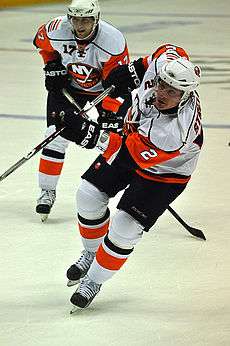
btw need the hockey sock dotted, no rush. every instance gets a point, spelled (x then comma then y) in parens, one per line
(50, 167)
(109, 259)
(93, 231)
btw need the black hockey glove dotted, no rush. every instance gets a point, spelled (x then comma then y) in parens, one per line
(110, 121)
(78, 129)
(125, 78)
(56, 76)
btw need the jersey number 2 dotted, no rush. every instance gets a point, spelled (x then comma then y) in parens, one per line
(148, 154)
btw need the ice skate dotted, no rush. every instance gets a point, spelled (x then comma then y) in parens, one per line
(79, 269)
(85, 293)
(45, 203)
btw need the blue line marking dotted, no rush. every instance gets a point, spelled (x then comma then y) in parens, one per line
(20, 117)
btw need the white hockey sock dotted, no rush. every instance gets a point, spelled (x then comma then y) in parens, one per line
(108, 260)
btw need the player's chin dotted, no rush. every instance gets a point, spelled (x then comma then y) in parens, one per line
(160, 105)
(81, 35)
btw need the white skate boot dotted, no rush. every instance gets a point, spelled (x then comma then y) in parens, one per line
(45, 203)
(79, 269)
(85, 293)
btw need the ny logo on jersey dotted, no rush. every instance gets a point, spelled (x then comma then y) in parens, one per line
(85, 75)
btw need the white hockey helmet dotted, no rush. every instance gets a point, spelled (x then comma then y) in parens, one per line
(84, 8)
(181, 74)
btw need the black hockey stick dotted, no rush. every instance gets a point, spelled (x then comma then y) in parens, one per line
(194, 231)
(56, 133)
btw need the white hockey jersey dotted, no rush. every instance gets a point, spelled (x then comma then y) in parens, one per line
(165, 147)
(87, 63)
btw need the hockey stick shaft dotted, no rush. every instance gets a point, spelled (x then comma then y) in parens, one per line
(71, 99)
(50, 138)
(194, 231)
(30, 154)
(93, 103)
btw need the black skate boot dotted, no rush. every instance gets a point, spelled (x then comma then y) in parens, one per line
(85, 293)
(45, 203)
(79, 269)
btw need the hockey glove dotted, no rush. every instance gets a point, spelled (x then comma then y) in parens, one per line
(125, 78)
(56, 76)
(78, 129)
(110, 121)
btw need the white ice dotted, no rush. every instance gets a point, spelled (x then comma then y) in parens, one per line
(174, 290)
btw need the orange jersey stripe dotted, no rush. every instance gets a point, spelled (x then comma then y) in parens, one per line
(42, 41)
(144, 153)
(48, 56)
(145, 62)
(50, 167)
(164, 48)
(115, 61)
(93, 233)
(107, 261)
(162, 179)
(115, 141)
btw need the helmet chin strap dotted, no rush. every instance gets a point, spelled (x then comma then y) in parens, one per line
(175, 110)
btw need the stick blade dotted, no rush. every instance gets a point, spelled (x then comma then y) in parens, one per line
(196, 232)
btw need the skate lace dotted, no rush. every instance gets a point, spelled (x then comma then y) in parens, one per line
(47, 197)
(85, 261)
(88, 288)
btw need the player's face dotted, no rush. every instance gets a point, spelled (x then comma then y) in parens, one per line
(83, 26)
(166, 96)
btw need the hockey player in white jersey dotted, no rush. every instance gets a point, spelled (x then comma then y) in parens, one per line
(79, 51)
(153, 162)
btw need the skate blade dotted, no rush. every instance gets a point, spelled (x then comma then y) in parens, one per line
(71, 283)
(75, 309)
(44, 217)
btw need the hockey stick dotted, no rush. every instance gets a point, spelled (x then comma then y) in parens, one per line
(194, 231)
(71, 99)
(56, 133)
